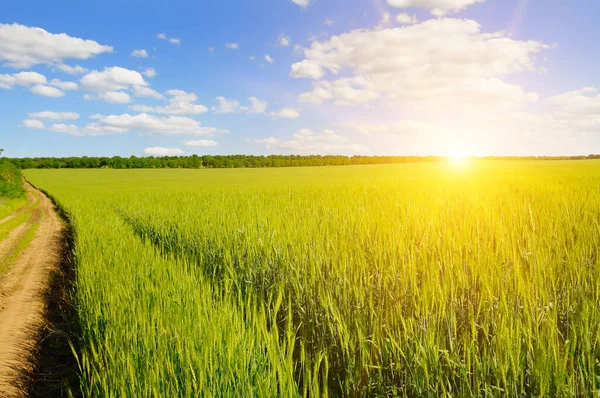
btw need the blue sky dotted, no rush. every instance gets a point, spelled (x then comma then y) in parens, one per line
(376, 77)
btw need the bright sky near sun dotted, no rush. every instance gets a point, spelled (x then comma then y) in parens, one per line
(369, 77)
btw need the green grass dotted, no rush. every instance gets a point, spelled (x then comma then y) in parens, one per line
(9, 206)
(11, 181)
(396, 280)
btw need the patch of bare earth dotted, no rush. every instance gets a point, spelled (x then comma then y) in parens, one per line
(22, 295)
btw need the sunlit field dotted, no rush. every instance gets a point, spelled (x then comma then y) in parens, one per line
(460, 278)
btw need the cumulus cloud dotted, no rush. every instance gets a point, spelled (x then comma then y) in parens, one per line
(7, 82)
(269, 142)
(150, 72)
(153, 125)
(347, 91)
(406, 19)
(54, 115)
(27, 78)
(139, 53)
(180, 103)
(33, 124)
(115, 97)
(143, 91)
(23, 46)
(269, 59)
(171, 40)
(72, 70)
(111, 97)
(575, 111)
(306, 142)
(436, 7)
(200, 143)
(232, 46)
(257, 105)
(226, 105)
(112, 79)
(302, 3)
(160, 151)
(307, 69)
(140, 123)
(47, 91)
(286, 113)
(67, 86)
(447, 61)
(92, 129)
(402, 128)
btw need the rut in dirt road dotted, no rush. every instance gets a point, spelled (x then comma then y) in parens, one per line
(22, 289)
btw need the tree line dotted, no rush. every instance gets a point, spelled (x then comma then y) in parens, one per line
(238, 161)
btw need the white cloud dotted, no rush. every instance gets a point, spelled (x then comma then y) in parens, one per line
(284, 41)
(232, 46)
(406, 19)
(402, 128)
(23, 46)
(153, 125)
(211, 49)
(329, 22)
(140, 123)
(112, 79)
(302, 3)
(252, 58)
(385, 20)
(574, 112)
(257, 105)
(27, 78)
(47, 91)
(171, 40)
(33, 124)
(72, 70)
(180, 103)
(307, 69)
(287, 113)
(226, 105)
(139, 53)
(306, 142)
(269, 59)
(111, 97)
(92, 129)
(7, 82)
(68, 86)
(436, 7)
(150, 72)
(54, 115)
(160, 151)
(347, 91)
(445, 62)
(269, 142)
(200, 143)
(115, 97)
(143, 91)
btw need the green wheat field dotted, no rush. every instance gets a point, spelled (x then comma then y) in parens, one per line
(420, 280)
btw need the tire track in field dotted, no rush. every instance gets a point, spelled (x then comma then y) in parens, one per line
(22, 302)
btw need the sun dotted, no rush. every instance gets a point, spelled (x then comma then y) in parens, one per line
(458, 153)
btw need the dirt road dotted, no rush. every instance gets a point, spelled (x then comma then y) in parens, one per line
(22, 289)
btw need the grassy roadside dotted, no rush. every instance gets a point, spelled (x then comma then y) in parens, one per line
(10, 205)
